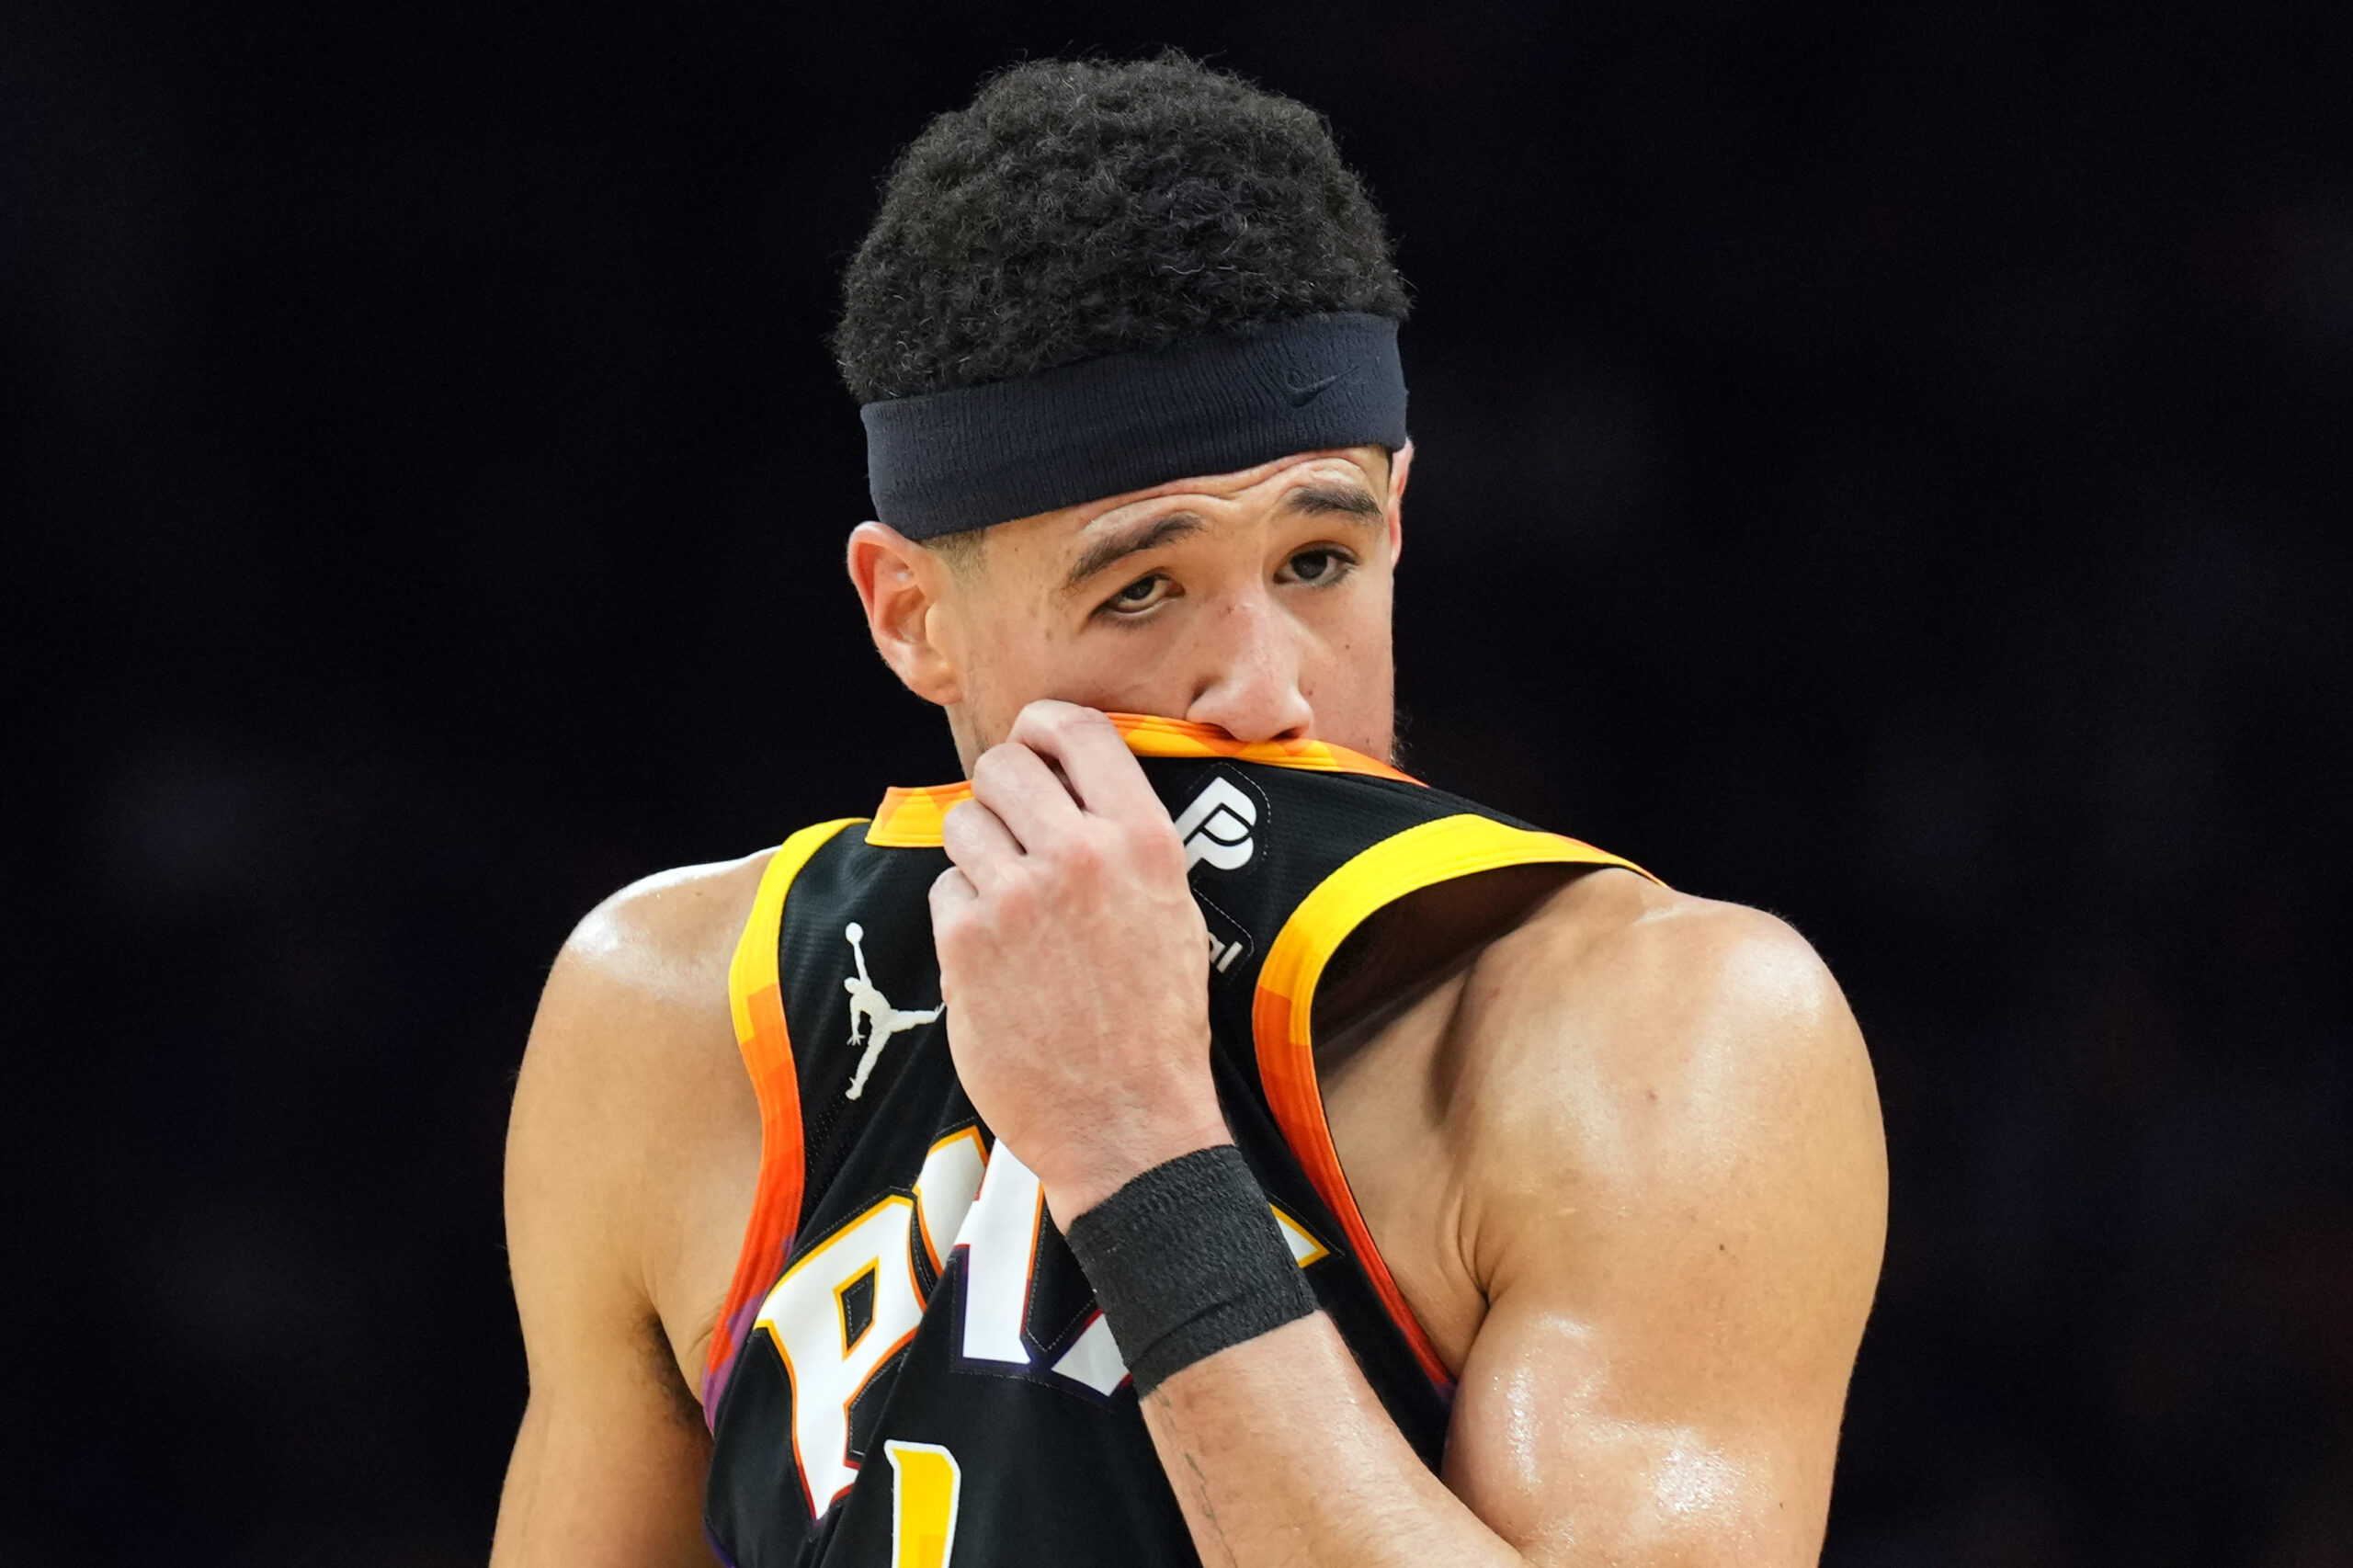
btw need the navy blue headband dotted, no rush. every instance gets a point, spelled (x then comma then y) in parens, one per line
(947, 462)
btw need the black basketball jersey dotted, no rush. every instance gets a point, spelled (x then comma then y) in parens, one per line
(910, 1369)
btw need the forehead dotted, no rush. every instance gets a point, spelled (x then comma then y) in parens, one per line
(1363, 466)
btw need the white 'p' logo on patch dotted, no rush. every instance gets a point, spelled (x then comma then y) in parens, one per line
(1216, 827)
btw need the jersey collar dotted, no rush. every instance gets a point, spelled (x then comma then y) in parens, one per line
(911, 818)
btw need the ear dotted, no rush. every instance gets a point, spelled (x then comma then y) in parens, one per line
(1401, 465)
(904, 587)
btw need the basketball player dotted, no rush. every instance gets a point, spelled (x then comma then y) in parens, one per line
(1190, 1134)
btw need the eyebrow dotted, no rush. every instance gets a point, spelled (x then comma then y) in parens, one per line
(1130, 541)
(1320, 499)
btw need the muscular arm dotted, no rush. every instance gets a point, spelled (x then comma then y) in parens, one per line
(1673, 1200)
(631, 1063)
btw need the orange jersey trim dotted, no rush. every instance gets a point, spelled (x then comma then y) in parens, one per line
(1148, 736)
(911, 818)
(756, 1001)
(1283, 1014)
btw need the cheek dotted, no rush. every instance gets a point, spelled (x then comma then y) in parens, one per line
(1120, 673)
(1351, 678)
(1017, 657)
(1357, 626)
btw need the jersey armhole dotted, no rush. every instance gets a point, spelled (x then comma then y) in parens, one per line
(755, 1002)
(1282, 1013)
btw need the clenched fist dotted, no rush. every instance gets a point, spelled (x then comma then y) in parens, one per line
(1074, 962)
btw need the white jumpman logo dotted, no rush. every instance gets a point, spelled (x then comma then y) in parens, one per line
(868, 1005)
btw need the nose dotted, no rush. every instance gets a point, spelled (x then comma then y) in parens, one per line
(1252, 689)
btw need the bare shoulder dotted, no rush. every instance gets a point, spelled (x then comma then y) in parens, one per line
(668, 937)
(1617, 975)
(1661, 1055)
(633, 1120)
(639, 994)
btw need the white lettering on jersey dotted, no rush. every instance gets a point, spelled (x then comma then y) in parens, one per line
(952, 1175)
(1304, 1249)
(806, 1317)
(1094, 1359)
(870, 1007)
(1216, 827)
(999, 1237)
(807, 1314)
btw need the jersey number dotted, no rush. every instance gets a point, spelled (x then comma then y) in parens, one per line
(926, 1480)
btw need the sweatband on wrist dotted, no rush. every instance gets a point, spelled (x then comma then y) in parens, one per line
(948, 461)
(1185, 1261)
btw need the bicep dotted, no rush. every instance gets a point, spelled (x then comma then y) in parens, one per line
(1562, 1444)
(1681, 1273)
(609, 1462)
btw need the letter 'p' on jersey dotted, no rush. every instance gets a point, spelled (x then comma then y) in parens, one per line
(841, 1311)
(909, 1368)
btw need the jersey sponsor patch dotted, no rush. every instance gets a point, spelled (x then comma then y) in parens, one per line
(1219, 824)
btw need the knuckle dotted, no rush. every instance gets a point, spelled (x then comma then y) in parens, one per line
(1015, 896)
(1056, 718)
(1075, 852)
(1155, 844)
(961, 824)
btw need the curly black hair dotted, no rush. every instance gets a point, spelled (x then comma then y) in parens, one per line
(1082, 208)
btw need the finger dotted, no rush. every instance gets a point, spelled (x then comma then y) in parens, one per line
(1103, 775)
(954, 902)
(978, 843)
(1015, 783)
(952, 897)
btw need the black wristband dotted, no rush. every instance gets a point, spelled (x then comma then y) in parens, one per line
(1186, 1260)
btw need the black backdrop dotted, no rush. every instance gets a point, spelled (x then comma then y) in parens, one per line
(1884, 463)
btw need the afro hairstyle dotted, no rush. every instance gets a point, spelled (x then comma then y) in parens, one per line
(1079, 209)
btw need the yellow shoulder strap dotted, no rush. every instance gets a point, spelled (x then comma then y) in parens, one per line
(756, 998)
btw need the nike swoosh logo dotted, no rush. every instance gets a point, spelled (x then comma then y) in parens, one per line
(1301, 396)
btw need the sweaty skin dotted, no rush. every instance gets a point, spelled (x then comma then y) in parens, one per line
(1624, 1159)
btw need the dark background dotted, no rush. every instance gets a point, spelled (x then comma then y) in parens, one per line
(1885, 462)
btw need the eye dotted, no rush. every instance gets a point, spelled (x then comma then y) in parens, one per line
(1140, 595)
(1324, 564)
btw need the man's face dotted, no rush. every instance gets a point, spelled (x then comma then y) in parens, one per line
(1256, 601)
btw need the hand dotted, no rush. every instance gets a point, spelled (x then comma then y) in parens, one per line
(1074, 962)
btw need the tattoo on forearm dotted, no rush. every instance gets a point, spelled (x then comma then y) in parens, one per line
(1158, 1398)
(1209, 1509)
